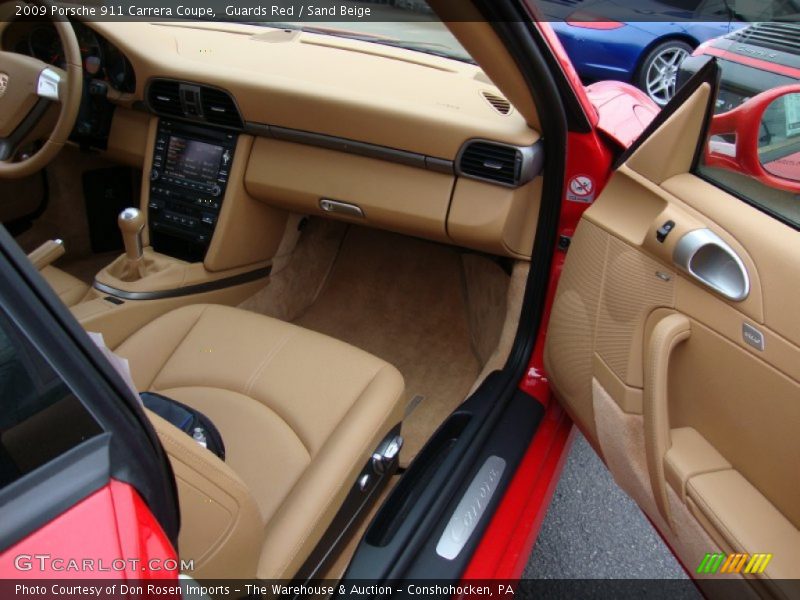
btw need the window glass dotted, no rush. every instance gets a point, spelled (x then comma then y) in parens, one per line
(764, 172)
(40, 417)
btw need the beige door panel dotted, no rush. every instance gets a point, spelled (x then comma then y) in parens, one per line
(716, 412)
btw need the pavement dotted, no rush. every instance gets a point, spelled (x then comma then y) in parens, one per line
(594, 530)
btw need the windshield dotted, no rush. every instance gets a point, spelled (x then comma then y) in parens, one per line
(409, 24)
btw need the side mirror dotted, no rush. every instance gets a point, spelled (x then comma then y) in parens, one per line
(760, 138)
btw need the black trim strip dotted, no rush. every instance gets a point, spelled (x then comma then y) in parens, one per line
(340, 144)
(188, 290)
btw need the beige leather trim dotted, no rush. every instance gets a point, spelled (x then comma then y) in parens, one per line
(248, 231)
(747, 521)
(483, 44)
(221, 528)
(392, 196)
(690, 454)
(495, 219)
(157, 272)
(621, 439)
(670, 151)
(127, 140)
(70, 289)
(118, 322)
(46, 254)
(667, 334)
(320, 83)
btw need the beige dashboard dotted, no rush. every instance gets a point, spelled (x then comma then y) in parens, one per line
(391, 99)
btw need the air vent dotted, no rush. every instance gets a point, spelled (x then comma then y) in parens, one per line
(193, 102)
(495, 162)
(784, 37)
(219, 108)
(499, 103)
(504, 164)
(164, 97)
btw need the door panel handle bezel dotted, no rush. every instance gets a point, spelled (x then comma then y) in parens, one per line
(709, 259)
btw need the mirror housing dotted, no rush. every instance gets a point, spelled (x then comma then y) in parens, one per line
(745, 122)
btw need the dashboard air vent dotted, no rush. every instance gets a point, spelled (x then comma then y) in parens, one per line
(491, 161)
(163, 96)
(499, 103)
(219, 108)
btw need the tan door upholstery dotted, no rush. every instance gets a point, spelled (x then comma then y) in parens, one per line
(300, 414)
(70, 289)
(698, 425)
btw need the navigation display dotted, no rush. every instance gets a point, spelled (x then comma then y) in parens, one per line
(192, 161)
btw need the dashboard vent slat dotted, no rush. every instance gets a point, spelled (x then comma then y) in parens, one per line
(490, 161)
(164, 97)
(219, 108)
(497, 102)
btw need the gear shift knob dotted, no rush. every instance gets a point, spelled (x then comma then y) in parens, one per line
(131, 224)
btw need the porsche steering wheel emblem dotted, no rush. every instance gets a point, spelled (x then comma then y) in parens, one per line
(3, 84)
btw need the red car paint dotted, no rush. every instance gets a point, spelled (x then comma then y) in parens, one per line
(623, 110)
(565, 63)
(511, 534)
(111, 524)
(744, 121)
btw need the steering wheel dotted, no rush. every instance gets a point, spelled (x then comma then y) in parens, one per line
(28, 88)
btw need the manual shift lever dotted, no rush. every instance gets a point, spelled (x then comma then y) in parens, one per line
(131, 224)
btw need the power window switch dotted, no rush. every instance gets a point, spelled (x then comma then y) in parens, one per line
(663, 231)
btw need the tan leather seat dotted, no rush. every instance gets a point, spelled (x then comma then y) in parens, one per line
(299, 412)
(70, 289)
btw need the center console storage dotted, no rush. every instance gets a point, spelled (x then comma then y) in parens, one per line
(191, 166)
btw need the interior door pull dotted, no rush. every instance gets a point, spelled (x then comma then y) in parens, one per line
(668, 333)
(706, 257)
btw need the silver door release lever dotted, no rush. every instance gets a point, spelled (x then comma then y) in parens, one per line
(706, 257)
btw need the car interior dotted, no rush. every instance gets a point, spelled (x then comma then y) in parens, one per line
(321, 258)
(323, 244)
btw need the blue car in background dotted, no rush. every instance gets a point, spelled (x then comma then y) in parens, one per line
(633, 49)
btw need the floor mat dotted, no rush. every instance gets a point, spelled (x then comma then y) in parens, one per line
(402, 300)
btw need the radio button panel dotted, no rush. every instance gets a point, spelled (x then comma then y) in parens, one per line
(191, 166)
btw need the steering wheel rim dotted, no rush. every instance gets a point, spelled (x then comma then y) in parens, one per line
(38, 86)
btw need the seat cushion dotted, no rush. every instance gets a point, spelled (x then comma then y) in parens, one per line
(300, 413)
(70, 289)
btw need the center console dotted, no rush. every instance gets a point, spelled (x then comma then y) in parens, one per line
(191, 165)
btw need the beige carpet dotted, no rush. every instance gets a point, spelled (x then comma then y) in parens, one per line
(403, 300)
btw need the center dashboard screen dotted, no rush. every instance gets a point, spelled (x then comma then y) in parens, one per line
(192, 161)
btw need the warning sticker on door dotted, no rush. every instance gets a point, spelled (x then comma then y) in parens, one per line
(580, 189)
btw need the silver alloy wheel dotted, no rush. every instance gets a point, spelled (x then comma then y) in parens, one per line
(662, 73)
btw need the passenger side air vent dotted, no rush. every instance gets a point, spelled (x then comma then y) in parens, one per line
(163, 96)
(219, 108)
(784, 37)
(500, 163)
(499, 103)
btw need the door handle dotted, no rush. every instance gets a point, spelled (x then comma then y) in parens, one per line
(706, 257)
(668, 333)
